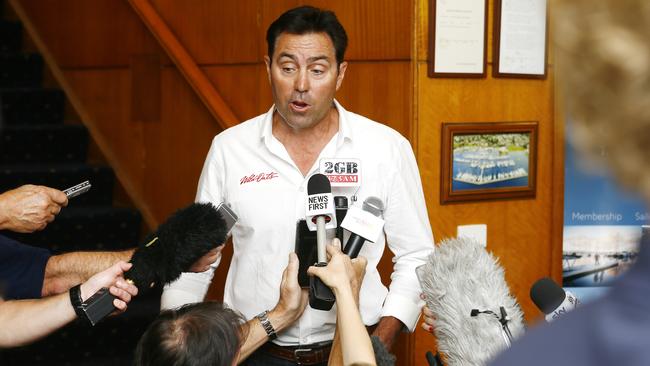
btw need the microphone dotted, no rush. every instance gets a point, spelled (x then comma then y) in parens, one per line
(320, 211)
(475, 315)
(551, 299)
(320, 216)
(364, 224)
(180, 241)
(341, 205)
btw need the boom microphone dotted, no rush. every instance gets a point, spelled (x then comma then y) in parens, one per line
(364, 225)
(178, 243)
(551, 299)
(461, 279)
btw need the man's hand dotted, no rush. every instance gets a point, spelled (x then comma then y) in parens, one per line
(116, 284)
(293, 299)
(30, 208)
(204, 263)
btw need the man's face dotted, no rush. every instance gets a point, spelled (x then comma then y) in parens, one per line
(304, 77)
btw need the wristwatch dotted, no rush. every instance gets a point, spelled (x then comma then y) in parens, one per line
(268, 327)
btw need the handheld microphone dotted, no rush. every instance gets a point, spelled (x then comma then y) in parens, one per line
(460, 279)
(320, 216)
(180, 241)
(364, 225)
(341, 205)
(551, 299)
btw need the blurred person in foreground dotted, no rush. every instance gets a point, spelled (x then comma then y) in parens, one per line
(604, 66)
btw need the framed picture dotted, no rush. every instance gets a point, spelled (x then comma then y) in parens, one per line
(457, 38)
(486, 161)
(520, 39)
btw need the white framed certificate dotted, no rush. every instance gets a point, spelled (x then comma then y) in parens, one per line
(520, 38)
(457, 38)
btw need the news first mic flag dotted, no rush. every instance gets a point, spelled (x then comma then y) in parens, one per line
(458, 277)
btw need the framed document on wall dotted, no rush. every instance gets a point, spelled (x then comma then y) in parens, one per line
(487, 161)
(520, 38)
(457, 38)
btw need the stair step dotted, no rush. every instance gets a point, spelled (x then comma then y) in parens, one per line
(87, 228)
(43, 144)
(11, 36)
(32, 106)
(20, 70)
(62, 176)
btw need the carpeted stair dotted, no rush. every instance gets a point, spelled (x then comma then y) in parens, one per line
(37, 147)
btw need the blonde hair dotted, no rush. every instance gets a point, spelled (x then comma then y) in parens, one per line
(603, 52)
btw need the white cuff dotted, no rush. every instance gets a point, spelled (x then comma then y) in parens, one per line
(404, 309)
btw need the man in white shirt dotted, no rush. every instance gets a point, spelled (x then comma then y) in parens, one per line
(261, 168)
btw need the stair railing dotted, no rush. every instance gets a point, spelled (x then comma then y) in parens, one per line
(185, 64)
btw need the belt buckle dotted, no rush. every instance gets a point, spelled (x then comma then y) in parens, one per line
(298, 351)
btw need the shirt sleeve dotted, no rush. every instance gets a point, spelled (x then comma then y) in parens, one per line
(192, 287)
(409, 236)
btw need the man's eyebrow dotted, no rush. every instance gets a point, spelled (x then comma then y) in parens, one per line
(317, 58)
(285, 54)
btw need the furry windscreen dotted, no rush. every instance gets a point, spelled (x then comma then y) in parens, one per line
(382, 356)
(458, 277)
(180, 241)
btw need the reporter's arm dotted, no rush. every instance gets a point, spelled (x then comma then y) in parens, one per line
(25, 321)
(340, 275)
(292, 303)
(66, 270)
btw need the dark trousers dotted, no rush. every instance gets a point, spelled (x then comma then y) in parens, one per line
(261, 358)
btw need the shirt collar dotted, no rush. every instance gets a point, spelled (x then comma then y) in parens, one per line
(345, 131)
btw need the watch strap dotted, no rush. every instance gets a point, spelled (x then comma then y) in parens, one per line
(266, 324)
(77, 303)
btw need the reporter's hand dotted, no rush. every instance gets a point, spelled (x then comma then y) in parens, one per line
(428, 316)
(293, 299)
(113, 279)
(30, 208)
(204, 263)
(340, 270)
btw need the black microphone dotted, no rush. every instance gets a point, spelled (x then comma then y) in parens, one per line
(180, 241)
(551, 299)
(364, 225)
(341, 205)
(320, 216)
(465, 289)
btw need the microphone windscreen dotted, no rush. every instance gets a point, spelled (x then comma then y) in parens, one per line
(181, 240)
(382, 356)
(547, 295)
(318, 184)
(459, 276)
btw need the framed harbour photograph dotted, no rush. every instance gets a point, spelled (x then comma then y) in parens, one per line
(487, 161)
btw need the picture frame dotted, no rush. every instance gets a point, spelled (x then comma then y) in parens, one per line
(457, 39)
(488, 161)
(520, 39)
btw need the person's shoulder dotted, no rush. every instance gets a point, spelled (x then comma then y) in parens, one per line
(241, 132)
(367, 129)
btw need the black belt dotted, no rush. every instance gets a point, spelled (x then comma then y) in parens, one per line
(308, 354)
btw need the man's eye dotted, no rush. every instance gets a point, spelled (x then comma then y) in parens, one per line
(288, 69)
(317, 72)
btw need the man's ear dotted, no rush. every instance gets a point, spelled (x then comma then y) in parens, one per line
(267, 62)
(339, 78)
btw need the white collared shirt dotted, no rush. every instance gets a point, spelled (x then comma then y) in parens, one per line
(251, 170)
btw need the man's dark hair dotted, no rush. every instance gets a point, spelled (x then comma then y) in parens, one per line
(198, 334)
(308, 19)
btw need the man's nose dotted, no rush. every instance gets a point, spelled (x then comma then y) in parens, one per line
(301, 84)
